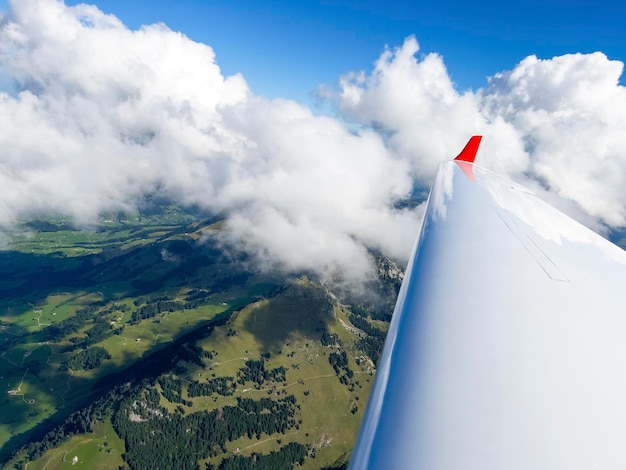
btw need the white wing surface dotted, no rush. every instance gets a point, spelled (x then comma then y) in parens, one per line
(507, 348)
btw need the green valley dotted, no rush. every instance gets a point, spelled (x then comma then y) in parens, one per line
(144, 343)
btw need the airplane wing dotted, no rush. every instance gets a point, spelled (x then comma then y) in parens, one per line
(507, 347)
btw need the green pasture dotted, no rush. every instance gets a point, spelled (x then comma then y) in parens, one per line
(100, 450)
(292, 340)
(294, 323)
(32, 388)
(286, 329)
(136, 340)
(77, 243)
(26, 397)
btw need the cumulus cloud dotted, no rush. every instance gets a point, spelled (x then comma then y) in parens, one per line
(101, 114)
(555, 125)
(570, 112)
(416, 105)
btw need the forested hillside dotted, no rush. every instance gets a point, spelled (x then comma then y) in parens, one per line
(143, 344)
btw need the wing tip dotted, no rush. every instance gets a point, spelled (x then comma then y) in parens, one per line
(468, 154)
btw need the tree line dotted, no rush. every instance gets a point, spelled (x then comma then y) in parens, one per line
(160, 439)
(88, 359)
(284, 458)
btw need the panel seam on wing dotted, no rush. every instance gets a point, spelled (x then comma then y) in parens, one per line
(543, 260)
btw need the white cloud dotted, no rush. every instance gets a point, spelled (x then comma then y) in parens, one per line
(570, 112)
(415, 104)
(556, 125)
(103, 114)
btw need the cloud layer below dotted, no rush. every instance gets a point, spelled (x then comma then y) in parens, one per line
(101, 114)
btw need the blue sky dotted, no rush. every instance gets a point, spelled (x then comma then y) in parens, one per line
(286, 48)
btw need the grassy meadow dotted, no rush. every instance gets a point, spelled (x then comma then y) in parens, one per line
(83, 311)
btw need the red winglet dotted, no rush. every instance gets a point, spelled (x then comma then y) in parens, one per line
(468, 154)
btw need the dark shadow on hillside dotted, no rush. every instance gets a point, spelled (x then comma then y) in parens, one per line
(27, 279)
(146, 271)
(299, 311)
(107, 391)
(23, 412)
